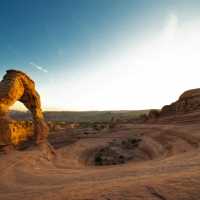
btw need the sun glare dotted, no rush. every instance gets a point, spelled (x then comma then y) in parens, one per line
(150, 76)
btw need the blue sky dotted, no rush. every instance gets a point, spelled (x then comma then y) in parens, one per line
(102, 54)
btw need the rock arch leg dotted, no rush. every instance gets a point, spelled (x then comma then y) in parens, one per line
(17, 86)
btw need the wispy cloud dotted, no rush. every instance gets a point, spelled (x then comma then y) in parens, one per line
(72, 78)
(40, 68)
(52, 80)
(169, 31)
(12, 50)
(61, 52)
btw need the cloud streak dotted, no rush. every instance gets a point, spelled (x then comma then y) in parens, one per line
(40, 68)
(170, 31)
(12, 50)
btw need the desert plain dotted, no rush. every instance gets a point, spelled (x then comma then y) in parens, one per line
(156, 156)
(165, 165)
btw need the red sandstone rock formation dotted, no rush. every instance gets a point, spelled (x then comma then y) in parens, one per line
(153, 116)
(188, 101)
(22, 132)
(185, 110)
(142, 119)
(17, 86)
(112, 123)
(168, 110)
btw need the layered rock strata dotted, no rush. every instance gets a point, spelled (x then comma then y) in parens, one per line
(188, 101)
(168, 110)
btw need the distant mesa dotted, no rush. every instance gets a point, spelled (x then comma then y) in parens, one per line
(185, 110)
(17, 86)
(112, 123)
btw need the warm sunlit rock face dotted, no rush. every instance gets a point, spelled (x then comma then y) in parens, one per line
(17, 86)
(22, 132)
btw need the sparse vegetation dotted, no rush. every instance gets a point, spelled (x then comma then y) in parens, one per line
(130, 143)
(86, 118)
(109, 156)
(121, 156)
(98, 158)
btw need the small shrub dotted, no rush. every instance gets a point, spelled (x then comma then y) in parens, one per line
(111, 143)
(133, 141)
(98, 158)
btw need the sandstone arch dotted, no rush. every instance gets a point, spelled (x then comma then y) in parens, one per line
(17, 86)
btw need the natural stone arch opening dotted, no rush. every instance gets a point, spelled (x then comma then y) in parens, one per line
(17, 86)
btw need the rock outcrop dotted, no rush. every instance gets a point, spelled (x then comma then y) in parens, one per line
(168, 110)
(58, 127)
(153, 116)
(142, 119)
(185, 110)
(188, 101)
(112, 123)
(17, 86)
(22, 132)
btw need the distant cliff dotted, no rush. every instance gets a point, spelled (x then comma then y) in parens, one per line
(183, 111)
(67, 116)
